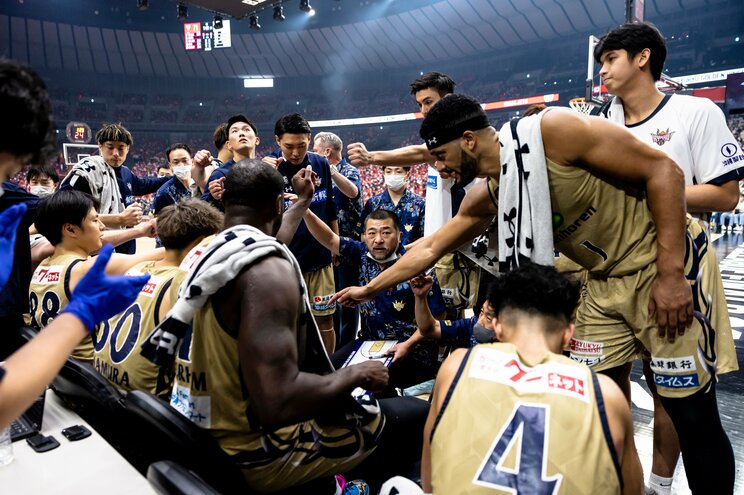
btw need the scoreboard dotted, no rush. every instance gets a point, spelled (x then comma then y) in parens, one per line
(204, 36)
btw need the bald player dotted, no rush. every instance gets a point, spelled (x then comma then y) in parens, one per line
(519, 415)
(624, 203)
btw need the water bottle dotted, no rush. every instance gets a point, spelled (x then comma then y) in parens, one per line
(6, 447)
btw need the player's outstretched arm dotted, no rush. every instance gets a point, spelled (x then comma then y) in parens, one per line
(267, 339)
(322, 232)
(29, 370)
(303, 184)
(408, 155)
(608, 149)
(474, 217)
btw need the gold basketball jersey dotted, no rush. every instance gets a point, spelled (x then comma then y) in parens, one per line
(118, 340)
(49, 293)
(209, 390)
(507, 427)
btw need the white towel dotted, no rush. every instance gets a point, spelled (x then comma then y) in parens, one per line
(525, 228)
(221, 262)
(102, 182)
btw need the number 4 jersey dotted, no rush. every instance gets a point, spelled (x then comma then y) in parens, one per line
(49, 293)
(118, 340)
(508, 427)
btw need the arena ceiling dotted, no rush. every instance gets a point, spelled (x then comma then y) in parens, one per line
(114, 37)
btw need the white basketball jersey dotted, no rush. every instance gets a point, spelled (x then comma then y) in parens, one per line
(438, 201)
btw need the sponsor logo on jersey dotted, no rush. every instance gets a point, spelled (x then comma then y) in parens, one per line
(431, 182)
(676, 381)
(551, 377)
(196, 408)
(729, 149)
(565, 233)
(321, 303)
(683, 364)
(586, 347)
(151, 287)
(190, 260)
(47, 275)
(662, 137)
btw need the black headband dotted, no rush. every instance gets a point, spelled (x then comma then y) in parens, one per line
(438, 137)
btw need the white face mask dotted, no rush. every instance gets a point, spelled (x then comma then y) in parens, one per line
(395, 182)
(41, 191)
(392, 257)
(182, 172)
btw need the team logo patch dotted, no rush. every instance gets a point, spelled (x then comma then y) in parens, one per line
(431, 182)
(408, 227)
(728, 150)
(662, 137)
(47, 275)
(676, 381)
(673, 365)
(399, 305)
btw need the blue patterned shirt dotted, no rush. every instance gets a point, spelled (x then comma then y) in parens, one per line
(391, 314)
(410, 210)
(458, 333)
(169, 193)
(348, 209)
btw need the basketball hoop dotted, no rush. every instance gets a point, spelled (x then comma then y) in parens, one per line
(581, 105)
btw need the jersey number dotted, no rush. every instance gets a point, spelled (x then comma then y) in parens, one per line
(120, 353)
(49, 308)
(525, 435)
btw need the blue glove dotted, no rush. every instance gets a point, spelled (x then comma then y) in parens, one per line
(9, 221)
(98, 296)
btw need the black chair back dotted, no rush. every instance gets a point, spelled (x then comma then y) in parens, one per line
(170, 478)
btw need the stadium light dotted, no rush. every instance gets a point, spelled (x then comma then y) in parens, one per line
(279, 13)
(253, 22)
(305, 6)
(143, 4)
(258, 82)
(217, 22)
(182, 11)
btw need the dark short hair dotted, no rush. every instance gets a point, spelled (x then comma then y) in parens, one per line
(174, 147)
(165, 165)
(252, 183)
(435, 80)
(238, 118)
(27, 126)
(633, 38)
(220, 136)
(383, 215)
(60, 208)
(537, 290)
(294, 123)
(450, 117)
(114, 132)
(39, 170)
(182, 223)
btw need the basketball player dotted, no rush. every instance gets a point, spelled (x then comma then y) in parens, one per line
(69, 221)
(28, 138)
(204, 163)
(254, 369)
(181, 226)
(633, 248)
(694, 133)
(517, 416)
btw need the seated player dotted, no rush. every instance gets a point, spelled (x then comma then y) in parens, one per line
(69, 221)
(390, 315)
(255, 373)
(181, 226)
(517, 416)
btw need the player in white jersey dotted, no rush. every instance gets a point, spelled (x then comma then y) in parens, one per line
(694, 133)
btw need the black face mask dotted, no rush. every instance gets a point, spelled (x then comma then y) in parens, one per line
(483, 335)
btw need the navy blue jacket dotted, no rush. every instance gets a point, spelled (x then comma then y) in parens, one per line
(217, 173)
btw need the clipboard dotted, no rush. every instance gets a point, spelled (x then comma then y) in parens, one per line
(364, 350)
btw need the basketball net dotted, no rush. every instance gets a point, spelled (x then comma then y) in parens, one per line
(581, 105)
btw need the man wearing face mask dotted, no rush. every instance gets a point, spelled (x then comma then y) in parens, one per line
(177, 188)
(408, 206)
(390, 315)
(42, 180)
